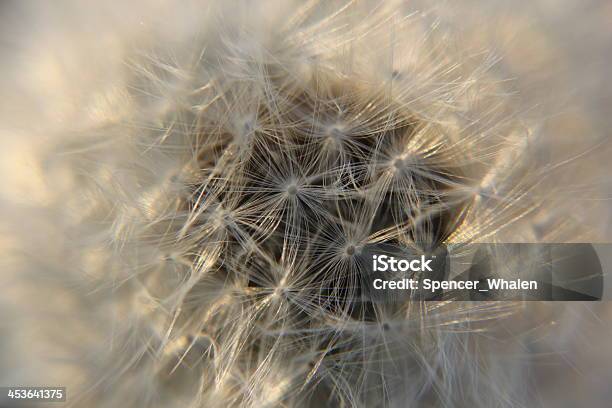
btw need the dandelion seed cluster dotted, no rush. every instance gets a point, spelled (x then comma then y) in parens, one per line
(227, 206)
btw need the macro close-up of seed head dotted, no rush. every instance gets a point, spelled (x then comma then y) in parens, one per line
(193, 194)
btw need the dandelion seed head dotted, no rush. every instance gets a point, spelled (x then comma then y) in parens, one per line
(228, 211)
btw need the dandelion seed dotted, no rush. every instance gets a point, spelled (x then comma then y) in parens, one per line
(254, 166)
